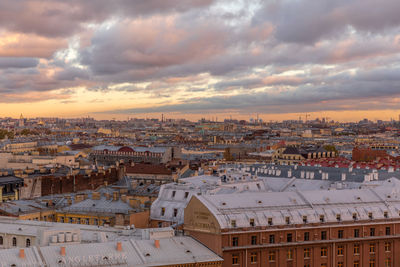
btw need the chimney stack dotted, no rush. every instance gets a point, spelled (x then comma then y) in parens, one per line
(62, 251)
(22, 253)
(119, 246)
(157, 243)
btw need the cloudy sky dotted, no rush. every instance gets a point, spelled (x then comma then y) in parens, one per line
(200, 58)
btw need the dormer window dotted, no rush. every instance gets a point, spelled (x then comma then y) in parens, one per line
(370, 215)
(338, 217)
(252, 224)
(385, 214)
(287, 219)
(233, 223)
(269, 221)
(304, 219)
(322, 218)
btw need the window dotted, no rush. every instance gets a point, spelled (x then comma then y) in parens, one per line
(254, 240)
(356, 232)
(306, 253)
(269, 221)
(388, 262)
(356, 264)
(289, 254)
(78, 220)
(387, 230)
(323, 265)
(28, 243)
(175, 212)
(372, 231)
(96, 222)
(388, 246)
(338, 217)
(173, 193)
(370, 215)
(355, 216)
(87, 221)
(272, 255)
(340, 264)
(340, 234)
(356, 249)
(271, 239)
(186, 194)
(287, 219)
(162, 211)
(323, 235)
(371, 248)
(289, 238)
(62, 219)
(324, 251)
(1, 240)
(304, 219)
(14, 242)
(235, 259)
(252, 222)
(233, 223)
(69, 219)
(235, 241)
(322, 218)
(340, 250)
(372, 263)
(306, 236)
(385, 214)
(253, 257)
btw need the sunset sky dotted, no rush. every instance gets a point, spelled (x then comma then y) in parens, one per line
(200, 58)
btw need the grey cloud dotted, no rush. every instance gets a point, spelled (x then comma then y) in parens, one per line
(14, 62)
(307, 21)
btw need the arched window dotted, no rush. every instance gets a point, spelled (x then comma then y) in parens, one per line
(28, 243)
(1, 240)
(14, 241)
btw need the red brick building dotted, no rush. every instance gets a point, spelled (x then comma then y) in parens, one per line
(337, 228)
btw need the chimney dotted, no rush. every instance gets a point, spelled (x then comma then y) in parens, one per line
(62, 251)
(115, 196)
(22, 253)
(157, 243)
(119, 246)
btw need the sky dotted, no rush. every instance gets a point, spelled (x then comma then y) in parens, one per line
(280, 59)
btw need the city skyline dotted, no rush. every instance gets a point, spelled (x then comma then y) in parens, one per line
(200, 58)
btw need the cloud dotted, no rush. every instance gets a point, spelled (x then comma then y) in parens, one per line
(16, 62)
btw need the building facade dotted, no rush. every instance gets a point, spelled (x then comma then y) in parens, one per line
(357, 227)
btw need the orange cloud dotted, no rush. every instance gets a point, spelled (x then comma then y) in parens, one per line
(29, 45)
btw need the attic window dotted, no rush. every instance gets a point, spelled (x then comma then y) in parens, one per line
(223, 203)
(322, 218)
(287, 219)
(252, 222)
(355, 216)
(259, 202)
(304, 219)
(186, 194)
(258, 186)
(269, 221)
(147, 255)
(233, 223)
(385, 214)
(370, 215)
(338, 217)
